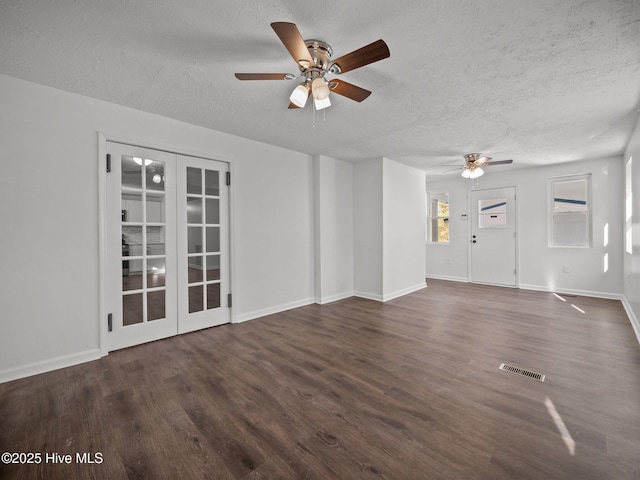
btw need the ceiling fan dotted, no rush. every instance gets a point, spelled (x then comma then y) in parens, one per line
(314, 62)
(473, 163)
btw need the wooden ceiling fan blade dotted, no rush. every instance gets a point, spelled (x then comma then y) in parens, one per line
(290, 36)
(349, 90)
(499, 162)
(371, 53)
(262, 76)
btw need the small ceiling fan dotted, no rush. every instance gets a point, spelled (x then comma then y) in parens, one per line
(314, 62)
(473, 163)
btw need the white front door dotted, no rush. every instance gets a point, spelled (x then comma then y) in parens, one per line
(493, 236)
(167, 246)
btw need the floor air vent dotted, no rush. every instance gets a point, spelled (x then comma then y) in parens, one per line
(521, 371)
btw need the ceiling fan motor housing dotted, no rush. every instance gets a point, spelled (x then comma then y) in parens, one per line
(471, 157)
(320, 53)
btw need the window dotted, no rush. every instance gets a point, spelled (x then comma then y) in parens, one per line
(492, 213)
(438, 221)
(628, 210)
(570, 215)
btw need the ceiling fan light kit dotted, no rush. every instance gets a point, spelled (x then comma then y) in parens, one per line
(313, 58)
(300, 95)
(321, 104)
(476, 172)
(319, 88)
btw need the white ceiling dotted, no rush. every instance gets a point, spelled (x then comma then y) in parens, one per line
(537, 81)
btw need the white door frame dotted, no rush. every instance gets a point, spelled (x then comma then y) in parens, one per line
(103, 138)
(517, 228)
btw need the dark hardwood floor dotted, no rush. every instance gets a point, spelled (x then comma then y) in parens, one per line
(409, 389)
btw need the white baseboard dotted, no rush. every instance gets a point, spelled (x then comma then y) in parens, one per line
(36, 368)
(333, 298)
(450, 279)
(632, 317)
(390, 296)
(569, 291)
(271, 310)
(368, 296)
(403, 292)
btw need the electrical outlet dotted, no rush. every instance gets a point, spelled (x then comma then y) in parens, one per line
(566, 268)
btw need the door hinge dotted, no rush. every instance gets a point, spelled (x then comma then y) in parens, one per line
(228, 178)
(110, 322)
(108, 162)
(229, 303)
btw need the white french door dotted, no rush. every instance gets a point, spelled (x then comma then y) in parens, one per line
(203, 244)
(493, 236)
(167, 246)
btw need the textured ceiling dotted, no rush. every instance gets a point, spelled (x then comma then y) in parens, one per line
(537, 81)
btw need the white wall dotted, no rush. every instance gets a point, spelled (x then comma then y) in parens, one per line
(403, 229)
(631, 229)
(367, 213)
(389, 211)
(333, 218)
(541, 267)
(49, 218)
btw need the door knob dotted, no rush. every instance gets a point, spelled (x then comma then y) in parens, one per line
(473, 241)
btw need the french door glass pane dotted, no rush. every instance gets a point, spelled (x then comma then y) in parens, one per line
(194, 210)
(132, 309)
(156, 272)
(213, 211)
(194, 181)
(155, 305)
(195, 299)
(213, 239)
(212, 183)
(194, 239)
(131, 172)
(213, 295)
(155, 240)
(131, 280)
(131, 207)
(195, 269)
(213, 267)
(155, 208)
(131, 241)
(155, 175)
